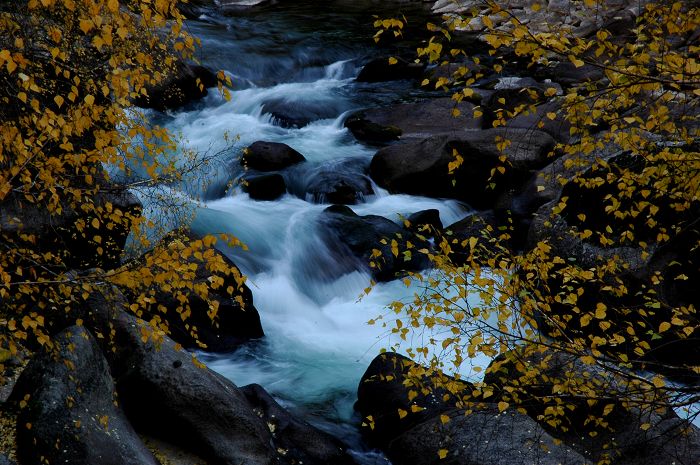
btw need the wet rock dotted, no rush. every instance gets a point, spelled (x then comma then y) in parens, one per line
(379, 70)
(182, 84)
(297, 114)
(270, 156)
(71, 403)
(340, 181)
(264, 187)
(423, 167)
(353, 239)
(193, 9)
(412, 120)
(296, 441)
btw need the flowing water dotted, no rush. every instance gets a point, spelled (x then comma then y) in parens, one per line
(297, 60)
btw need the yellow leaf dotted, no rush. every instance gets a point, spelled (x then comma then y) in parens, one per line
(393, 61)
(442, 453)
(85, 25)
(576, 61)
(402, 413)
(502, 406)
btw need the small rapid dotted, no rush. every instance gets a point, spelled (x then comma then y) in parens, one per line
(297, 88)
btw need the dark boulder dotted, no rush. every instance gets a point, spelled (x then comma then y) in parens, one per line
(379, 70)
(193, 9)
(270, 156)
(168, 395)
(414, 120)
(483, 227)
(181, 85)
(398, 396)
(568, 75)
(481, 437)
(353, 239)
(423, 167)
(295, 440)
(70, 234)
(264, 187)
(665, 438)
(419, 418)
(71, 416)
(419, 220)
(507, 102)
(235, 322)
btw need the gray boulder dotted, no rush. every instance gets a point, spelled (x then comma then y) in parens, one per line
(416, 120)
(270, 156)
(71, 402)
(423, 167)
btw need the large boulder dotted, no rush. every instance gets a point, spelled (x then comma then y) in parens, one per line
(423, 167)
(354, 239)
(638, 269)
(71, 233)
(419, 418)
(483, 436)
(299, 442)
(380, 69)
(71, 414)
(270, 156)
(627, 435)
(394, 396)
(169, 395)
(414, 120)
(182, 84)
(188, 316)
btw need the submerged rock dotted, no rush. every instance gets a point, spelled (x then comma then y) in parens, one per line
(340, 181)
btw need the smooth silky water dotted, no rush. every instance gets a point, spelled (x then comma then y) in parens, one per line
(318, 342)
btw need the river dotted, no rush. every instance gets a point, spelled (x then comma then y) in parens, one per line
(299, 59)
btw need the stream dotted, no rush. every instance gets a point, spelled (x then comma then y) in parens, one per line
(299, 61)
